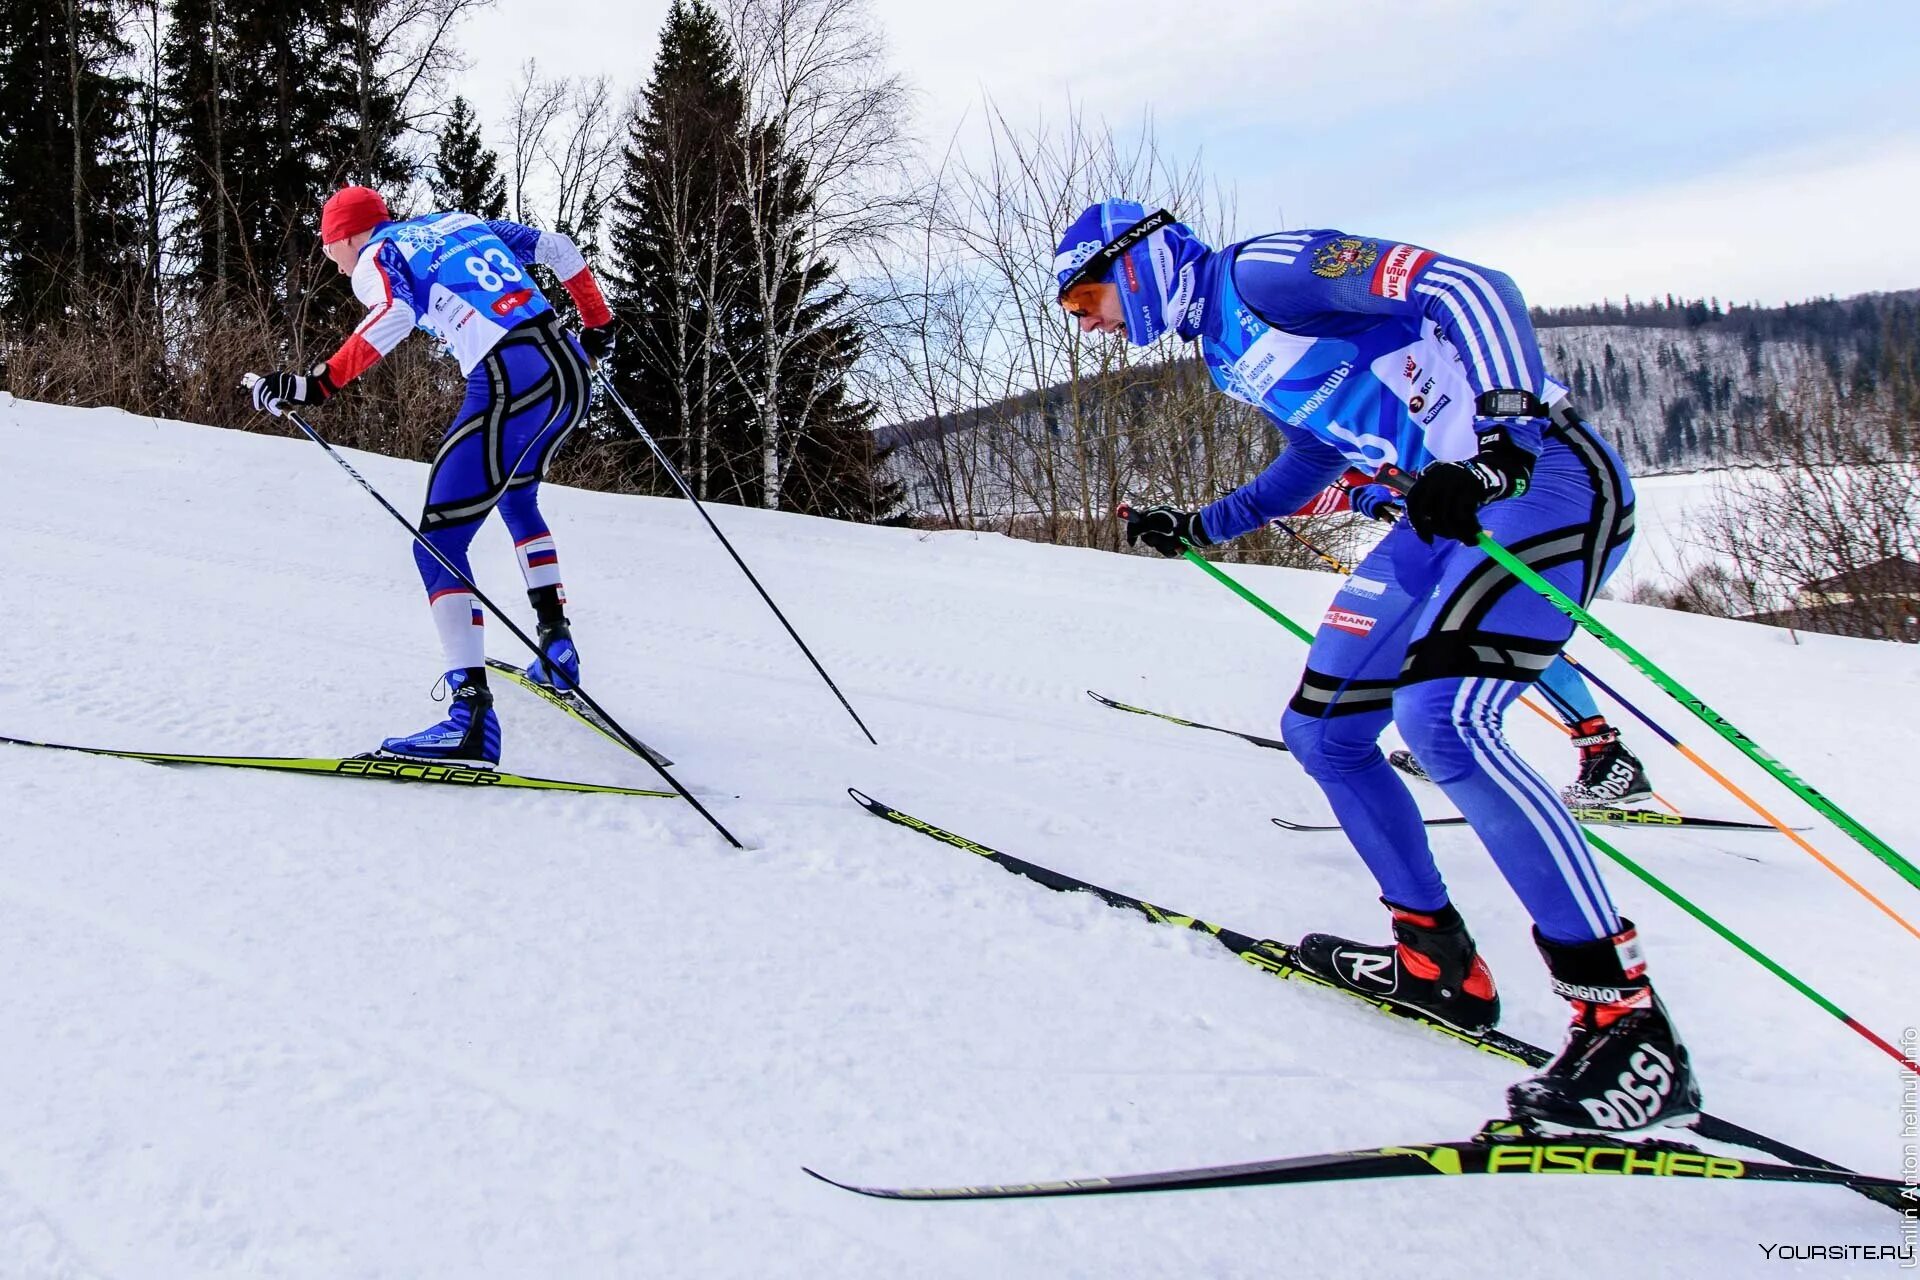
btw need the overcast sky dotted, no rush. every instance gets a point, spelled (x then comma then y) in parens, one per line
(1761, 150)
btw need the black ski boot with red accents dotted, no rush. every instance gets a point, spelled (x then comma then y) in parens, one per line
(1623, 1070)
(1430, 968)
(1610, 775)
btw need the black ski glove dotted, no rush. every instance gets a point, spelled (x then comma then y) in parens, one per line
(597, 343)
(291, 388)
(1162, 528)
(1445, 501)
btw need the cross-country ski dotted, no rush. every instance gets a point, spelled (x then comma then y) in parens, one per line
(1501, 1148)
(1282, 960)
(1415, 601)
(1255, 739)
(1636, 818)
(368, 766)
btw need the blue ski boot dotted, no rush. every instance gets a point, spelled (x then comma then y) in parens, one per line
(470, 734)
(558, 666)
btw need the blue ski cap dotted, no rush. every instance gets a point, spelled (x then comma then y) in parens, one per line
(1155, 276)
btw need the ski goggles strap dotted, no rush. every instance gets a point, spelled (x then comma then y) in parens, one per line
(1103, 259)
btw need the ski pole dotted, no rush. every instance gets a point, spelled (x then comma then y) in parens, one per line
(1333, 562)
(1528, 703)
(686, 491)
(1125, 511)
(279, 408)
(1752, 952)
(1742, 796)
(1719, 723)
(1680, 693)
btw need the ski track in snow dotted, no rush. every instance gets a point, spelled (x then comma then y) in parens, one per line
(278, 1026)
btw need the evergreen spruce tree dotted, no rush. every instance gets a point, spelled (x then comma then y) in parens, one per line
(269, 117)
(690, 285)
(678, 263)
(835, 466)
(464, 174)
(68, 221)
(827, 462)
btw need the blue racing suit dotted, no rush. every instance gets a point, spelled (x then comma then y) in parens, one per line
(1366, 352)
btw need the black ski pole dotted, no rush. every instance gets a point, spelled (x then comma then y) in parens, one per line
(280, 409)
(606, 385)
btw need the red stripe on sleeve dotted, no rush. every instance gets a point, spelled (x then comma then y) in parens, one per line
(355, 356)
(586, 296)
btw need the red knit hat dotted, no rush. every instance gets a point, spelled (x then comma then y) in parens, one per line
(349, 211)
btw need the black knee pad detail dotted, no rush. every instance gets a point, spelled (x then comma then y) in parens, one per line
(1320, 695)
(1445, 655)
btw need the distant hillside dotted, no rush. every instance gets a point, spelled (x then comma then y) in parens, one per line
(1678, 385)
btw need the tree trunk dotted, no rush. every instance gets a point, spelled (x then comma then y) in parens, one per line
(79, 155)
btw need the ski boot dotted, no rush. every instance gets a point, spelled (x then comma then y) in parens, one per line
(1431, 968)
(558, 666)
(470, 735)
(1623, 1069)
(1405, 762)
(1610, 775)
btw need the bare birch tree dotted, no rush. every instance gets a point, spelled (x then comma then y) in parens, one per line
(401, 56)
(537, 103)
(583, 159)
(1838, 498)
(822, 167)
(1022, 422)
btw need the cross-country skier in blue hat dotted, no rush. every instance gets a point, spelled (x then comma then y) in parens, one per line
(1373, 353)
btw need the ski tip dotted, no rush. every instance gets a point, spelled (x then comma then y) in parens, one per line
(859, 797)
(844, 1186)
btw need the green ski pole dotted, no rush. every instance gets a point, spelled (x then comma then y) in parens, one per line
(1672, 895)
(1219, 574)
(1719, 723)
(1752, 952)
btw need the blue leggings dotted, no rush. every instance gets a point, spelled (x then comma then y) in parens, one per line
(523, 400)
(1439, 640)
(1568, 693)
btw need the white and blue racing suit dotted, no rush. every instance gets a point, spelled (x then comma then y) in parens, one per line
(1366, 352)
(465, 282)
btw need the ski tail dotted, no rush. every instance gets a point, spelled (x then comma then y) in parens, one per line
(1265, 954)
(1272, 744)
(575, 706)
(1501, 1148)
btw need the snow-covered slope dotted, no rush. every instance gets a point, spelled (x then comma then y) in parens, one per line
(277, 1026)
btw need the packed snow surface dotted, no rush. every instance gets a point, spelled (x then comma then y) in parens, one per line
(261, 1025)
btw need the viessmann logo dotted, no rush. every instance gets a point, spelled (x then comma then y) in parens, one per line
(1393, 277)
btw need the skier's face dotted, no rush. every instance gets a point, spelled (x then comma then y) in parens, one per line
(1095, 308)
(344, 253)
